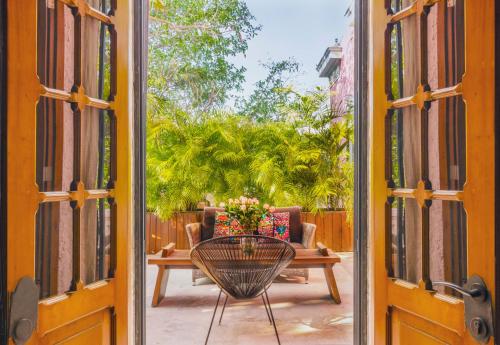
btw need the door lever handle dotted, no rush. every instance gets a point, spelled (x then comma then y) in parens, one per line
(477, 290)
(477, 307)
(23, 311)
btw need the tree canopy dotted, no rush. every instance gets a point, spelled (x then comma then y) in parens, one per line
(270, 93)
(189, 49)
(278, 144)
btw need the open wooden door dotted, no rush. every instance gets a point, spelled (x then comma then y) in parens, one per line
(69, 171)
(432, 179)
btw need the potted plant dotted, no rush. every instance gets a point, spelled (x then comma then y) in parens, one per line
(248, 212)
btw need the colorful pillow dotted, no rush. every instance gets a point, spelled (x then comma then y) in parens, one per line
(225, 225)
(281, 226)
(266, 226)
(235, 227)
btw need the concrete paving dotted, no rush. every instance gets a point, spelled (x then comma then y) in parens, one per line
(304, 313)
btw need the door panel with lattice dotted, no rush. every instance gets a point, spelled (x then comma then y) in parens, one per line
(432, 167)
(68, 207)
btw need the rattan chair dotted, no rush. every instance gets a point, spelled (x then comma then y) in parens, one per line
(301, 236)
(243, 267)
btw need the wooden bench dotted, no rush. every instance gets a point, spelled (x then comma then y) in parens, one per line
(170, 258)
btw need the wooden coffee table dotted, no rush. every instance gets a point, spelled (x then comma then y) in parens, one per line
(170, 258)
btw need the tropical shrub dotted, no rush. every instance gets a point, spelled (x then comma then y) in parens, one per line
(301, 160)
(281, 146)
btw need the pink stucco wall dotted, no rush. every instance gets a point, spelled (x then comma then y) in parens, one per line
(436, 211)
(65, 252)
(343, 88)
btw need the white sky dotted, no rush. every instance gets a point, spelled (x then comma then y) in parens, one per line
(299, 28)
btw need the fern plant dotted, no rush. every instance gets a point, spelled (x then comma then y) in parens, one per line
(302, 159)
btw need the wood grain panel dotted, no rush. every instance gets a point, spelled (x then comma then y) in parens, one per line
(69, 318)
(180, 226)
(320, 230)
(156, 237)
(94, 328)
(409, 329)
(337, 235)
(329, 229)
(172, 230)
(163, 229)
(346, 230)
(147, 233)
(332, 229)
(419, 315)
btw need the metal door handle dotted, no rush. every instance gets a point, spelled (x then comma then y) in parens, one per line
(477, 290)
(23, 310)
(477, 305)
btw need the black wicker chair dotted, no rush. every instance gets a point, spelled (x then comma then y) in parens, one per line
(243, 267)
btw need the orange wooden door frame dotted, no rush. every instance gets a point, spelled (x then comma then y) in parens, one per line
(103, 309)
(3, 171)
(400, 308)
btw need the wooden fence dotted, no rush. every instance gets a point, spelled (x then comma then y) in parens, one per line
(332, 230)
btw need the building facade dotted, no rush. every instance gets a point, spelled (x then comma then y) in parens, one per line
(337, 64)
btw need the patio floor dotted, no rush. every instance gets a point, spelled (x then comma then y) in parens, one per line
(305, 314)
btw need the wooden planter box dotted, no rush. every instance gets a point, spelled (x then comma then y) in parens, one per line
(332, 230)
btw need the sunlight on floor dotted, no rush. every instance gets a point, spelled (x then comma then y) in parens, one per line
(304, 313)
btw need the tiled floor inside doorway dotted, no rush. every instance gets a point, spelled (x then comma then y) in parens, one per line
(305, 314)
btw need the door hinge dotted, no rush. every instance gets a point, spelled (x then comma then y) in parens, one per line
(23, 310)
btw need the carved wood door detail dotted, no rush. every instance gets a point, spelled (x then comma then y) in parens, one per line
(432, 165)
(69, 156)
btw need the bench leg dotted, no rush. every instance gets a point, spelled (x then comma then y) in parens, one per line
(161, 285)
(332, 284)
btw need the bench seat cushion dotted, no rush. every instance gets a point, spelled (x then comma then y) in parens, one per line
(297, 245)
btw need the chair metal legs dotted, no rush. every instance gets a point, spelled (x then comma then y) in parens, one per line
(272, 317)
(267, 306)
(223, 308)
(213, 316)
(267, 311)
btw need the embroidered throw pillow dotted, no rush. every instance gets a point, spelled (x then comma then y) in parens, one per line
(225, 225)
(222, 224)
(266, 226)
(281, 225)
(235, 227)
